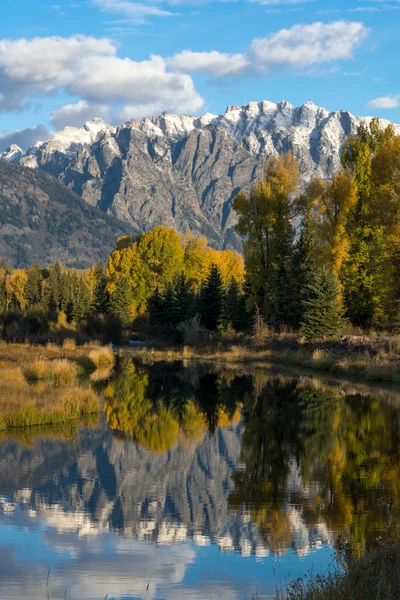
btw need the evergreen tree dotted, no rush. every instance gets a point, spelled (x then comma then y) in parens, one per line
(234, 308)
(155, 309)
(183, 301)
(121, 301)
(322, 315)
(211, 299)
(304, 264)
(81, 302)
(100, 301)
(33, 290)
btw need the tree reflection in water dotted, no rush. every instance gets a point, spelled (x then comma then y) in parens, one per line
(310, 451)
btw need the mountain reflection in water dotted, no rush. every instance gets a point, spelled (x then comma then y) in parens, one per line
(196, 483)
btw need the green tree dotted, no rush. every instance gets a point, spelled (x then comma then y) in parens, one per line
(265, 223)
(121, 301)
(183, 300)
(211, 299)
(322, 316)
(33, 290)
(234, 308)
(100, 299)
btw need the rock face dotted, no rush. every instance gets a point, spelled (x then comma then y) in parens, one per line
(183, 171)
(12, 154)
(40, 219)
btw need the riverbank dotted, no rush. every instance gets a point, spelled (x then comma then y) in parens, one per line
(41, 386)
(360, 357)
(373, 577)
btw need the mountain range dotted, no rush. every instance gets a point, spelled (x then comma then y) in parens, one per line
(183, 171)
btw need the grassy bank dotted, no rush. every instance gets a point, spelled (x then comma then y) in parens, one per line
(373, 577)
(88, 357)
(365, 358)
(39, 386)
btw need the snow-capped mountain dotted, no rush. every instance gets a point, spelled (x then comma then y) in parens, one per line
(184, 171)
(12, 154)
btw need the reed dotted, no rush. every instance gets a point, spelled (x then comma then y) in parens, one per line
(61, 372)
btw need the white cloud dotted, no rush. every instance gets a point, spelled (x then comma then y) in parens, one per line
(24, 138)
(77, 114)
(387, 102)
(43, 65)
(136, 12)
(218, 64)
(298, 47)
(90, 69)
(306, 45)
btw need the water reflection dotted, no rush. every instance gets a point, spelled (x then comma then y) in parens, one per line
(196, 483)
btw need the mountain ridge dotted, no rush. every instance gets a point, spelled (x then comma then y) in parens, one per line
(184, 171)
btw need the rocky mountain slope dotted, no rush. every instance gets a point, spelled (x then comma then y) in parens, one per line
(184, 171)
(40, 219)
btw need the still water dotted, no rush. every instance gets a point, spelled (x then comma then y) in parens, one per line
(196, 484)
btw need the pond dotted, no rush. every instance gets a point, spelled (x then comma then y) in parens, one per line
(197, 484)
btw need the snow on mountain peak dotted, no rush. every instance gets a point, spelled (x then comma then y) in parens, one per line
(12, 154)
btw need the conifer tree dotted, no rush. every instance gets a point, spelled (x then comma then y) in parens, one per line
(81, 303)
(234, 308)
(304, 264)
(121, 301)
(322, 316)
(155, 309)
(183, 301)
(33, 290)
(100, 300)
(211, 299)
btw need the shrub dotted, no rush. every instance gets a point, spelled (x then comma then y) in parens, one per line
(102, 357)
(69, 344)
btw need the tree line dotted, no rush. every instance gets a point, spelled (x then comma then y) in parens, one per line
(156, 271)
(311, 262)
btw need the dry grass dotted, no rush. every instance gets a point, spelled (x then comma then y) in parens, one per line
(53, 399)
(371, 360)
(102, 357)
(374, 577)
(27, 407)
(61, 372)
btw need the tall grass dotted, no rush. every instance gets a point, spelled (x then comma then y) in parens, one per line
(61, 372)
(374, 577)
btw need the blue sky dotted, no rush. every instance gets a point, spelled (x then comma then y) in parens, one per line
(62, 63)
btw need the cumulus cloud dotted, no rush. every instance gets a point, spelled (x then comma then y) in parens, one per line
(298, 47)
(218, 64)
(306, 45)
(24, 138)
(90, 69)
(387, 102)
(77, 114)
(44, 65)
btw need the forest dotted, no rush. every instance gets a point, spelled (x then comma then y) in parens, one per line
(315, 263)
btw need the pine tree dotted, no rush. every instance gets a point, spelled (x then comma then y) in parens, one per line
(211, 299)
(322, 316)
(234, 308)
(121, 301)
(304, 264)
(100, 301)
(155, 309)
(183, 302)
(81, 303)
(33, 290)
